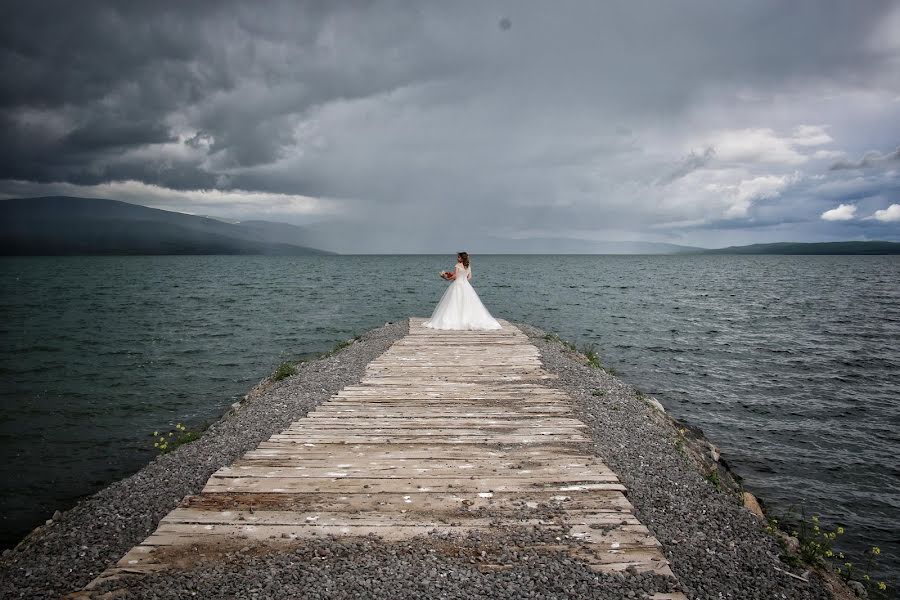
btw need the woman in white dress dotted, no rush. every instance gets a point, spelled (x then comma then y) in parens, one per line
(460, 307)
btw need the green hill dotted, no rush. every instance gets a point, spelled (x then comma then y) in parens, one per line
(877, 247)
(59, 225)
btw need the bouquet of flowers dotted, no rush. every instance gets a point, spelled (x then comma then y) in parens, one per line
(445, 274)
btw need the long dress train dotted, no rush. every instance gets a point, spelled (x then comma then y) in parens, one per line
(460, 307)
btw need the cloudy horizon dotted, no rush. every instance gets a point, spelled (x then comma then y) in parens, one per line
(423, 127)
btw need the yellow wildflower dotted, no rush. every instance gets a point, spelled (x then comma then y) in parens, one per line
(882, 586)
(876, 550)
(840, 531)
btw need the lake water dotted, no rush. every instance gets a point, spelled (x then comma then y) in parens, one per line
(790, 364)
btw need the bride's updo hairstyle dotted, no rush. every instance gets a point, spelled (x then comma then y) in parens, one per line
(465, 258)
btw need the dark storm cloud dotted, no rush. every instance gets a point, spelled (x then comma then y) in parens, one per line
(105, 133)
(582, 119)
(118, 76)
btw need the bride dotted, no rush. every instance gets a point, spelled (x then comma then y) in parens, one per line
(460, 307)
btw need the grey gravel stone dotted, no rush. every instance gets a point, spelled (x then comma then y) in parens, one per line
(436, 566)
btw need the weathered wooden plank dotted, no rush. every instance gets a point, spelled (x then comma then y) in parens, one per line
(392, 503)
(440, 421)
(448, 390)
(350, 429)
(608, 520)
(622, 538)
(486, 485)
(470, 439)
(409, 410)
(552, 473)
(430, 449)
(430, 466)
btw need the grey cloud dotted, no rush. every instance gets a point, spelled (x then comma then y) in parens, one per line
(868, 160)
(199, 139)
(691, 163)
(103, 133)
(528, 116)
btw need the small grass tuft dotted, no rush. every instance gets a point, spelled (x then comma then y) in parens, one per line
(552, 337)
(179, 436)
(592, 357)
(337, 348)
(284, 370)
(816, 547)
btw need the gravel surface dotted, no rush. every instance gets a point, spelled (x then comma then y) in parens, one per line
(715, 546)
(495, 566)
(80, 543)
(717, 549)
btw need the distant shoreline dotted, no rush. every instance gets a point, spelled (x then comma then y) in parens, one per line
(880, 249)
(71, 226)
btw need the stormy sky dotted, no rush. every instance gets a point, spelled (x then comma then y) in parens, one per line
(435, 126)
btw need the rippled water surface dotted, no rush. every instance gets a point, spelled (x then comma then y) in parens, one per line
(790, 364)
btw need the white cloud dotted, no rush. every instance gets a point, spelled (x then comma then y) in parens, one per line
(844, 212)
(739, 196)
(827, 154)
(755, 145)
(765, 145)
(811, 135)
(891, 214)
(232, 204)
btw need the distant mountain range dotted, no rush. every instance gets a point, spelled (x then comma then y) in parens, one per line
(570, 246)
(575, 246)
(58, 225)
(876, 247)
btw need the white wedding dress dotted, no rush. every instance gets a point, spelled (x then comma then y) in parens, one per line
(460, 307)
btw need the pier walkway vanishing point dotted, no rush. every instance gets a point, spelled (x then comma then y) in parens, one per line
(443, 427)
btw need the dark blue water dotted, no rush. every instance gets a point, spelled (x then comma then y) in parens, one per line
(790, 364)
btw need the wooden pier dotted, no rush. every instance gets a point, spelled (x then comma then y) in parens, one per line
(442, 424)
